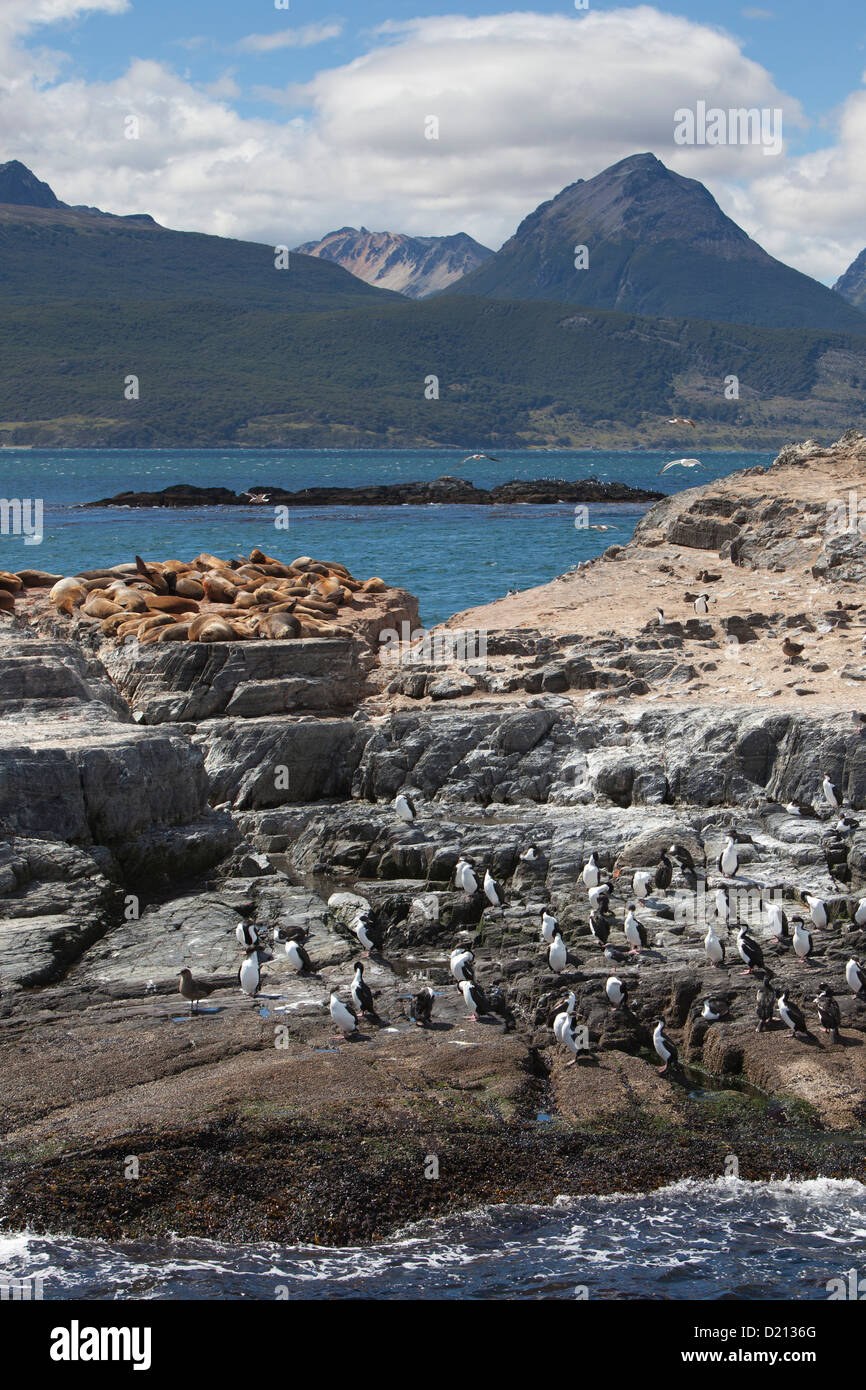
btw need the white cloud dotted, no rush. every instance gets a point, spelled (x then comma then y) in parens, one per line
(305, 37)
(527, 103)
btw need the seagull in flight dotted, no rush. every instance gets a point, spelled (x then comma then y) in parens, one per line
(683, 463)
(256, 496)
(682, 420)
(474, 458)
(601, 526)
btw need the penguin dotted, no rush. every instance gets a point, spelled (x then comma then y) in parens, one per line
(802, 940)
(421, 1007)
(858, 916)
(563, 1019)
(635, 931)
(366, 933)
(475, 999)
(344, 1017)
(557, 953)
(493, 890)
(362, 995)
(729, 860)
(714, 948)
(832, 794)
(828, 1012)
(777, 921)
(616, 992)
(660, 617)
(664, 1047)
(702, 605)
(461, 964)
(664, 873)
(405, 807)
(765, 1001)
(247, 935)
(298, 958)
(591, 872)
(549, 925)
(641, 882)
(817, 911)
(792, 1016)
(750, 952)
(855, 978)
(713, 1010)
(599, 926)
(249, 975)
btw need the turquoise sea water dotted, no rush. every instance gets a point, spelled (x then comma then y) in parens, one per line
(450, 557)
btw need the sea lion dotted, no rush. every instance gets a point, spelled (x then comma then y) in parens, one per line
(99, 606)
(38, 579)
(218, 589)
(374, 586)
(279, 625)
(10, 582)
(245, 599)
(171, 603)
(133, 600)
(212, 629)
(173, 632)
(66, 595)
(7, 601)
(188, 587)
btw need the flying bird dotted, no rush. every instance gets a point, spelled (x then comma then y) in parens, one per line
(474, 458)
(683, 463)
(682, 420)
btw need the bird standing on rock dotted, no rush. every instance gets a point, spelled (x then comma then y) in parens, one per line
(750, 952)
(549, 925)
(557, 953)
(616, 992)
(802, 940)
(461, 964)
(421, 1007)
(193, 989)
(665, 1048)
(249, 975)
(591, 873)
(791, 1015)
(405, 807)
(493, 890)
(635, 931)
(362, 995)
(475, 999)
(765, 1001)
(599, 926)
(664, 873)
(564, 1017)
(828, 1012)
(714, 948)
(729, 860)
(343, 1016)
(855, 977)
(298, 958)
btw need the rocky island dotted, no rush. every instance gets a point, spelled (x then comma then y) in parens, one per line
(160, 801)
(441, 491)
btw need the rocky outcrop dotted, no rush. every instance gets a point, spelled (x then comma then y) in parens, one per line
(445, 490)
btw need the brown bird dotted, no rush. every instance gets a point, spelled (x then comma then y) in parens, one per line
(792, 650)
(193, 990)
(682, 420)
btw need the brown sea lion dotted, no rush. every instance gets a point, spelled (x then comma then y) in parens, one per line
(188, 587)
(219, 589)
(10, 582)
(66, 595)
(100, 606)
(173, 632)
(38, 579)
(279, 626)
(212, 630)
(7, 601)
(172, 603)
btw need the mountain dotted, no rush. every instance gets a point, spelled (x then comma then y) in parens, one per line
(658, 244)
(416, 266)
(52, 252)
(229, 350)
(852, 284)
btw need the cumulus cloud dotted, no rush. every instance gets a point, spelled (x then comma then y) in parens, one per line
(526, 103)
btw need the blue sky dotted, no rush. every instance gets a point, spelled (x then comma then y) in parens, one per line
(817, 51)
(280, 125)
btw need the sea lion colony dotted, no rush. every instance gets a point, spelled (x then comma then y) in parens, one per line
(206, 599)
